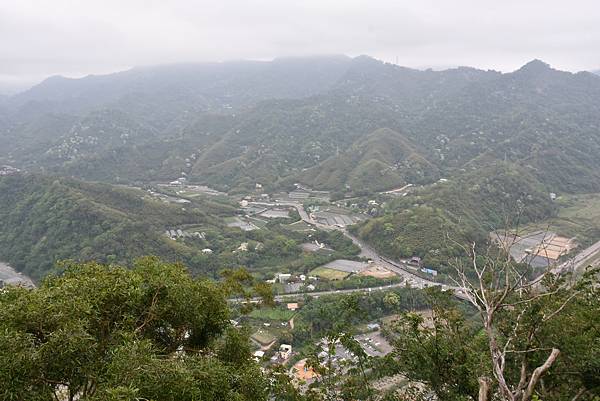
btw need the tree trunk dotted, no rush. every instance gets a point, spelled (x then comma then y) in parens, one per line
(484, 388)
(537, 374)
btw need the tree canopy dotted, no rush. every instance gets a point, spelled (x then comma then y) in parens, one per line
(101, 332)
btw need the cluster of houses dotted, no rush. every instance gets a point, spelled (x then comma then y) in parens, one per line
(8, 170)
(178, 233)
(294, 283)
(305, 374)
(244, 246)
(178, 182)
(280, 357)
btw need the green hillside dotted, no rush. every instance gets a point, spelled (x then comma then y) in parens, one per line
(382, 160)
(369, 126)
(44, 220)
(431, 221)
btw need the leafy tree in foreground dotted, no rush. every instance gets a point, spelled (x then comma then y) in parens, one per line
(110, 333)
(442, 350)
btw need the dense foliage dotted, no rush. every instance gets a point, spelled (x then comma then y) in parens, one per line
(332, 314)
(110, 333)
(46, 219)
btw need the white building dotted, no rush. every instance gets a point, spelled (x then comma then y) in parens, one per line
(285, 351)
(284, 277)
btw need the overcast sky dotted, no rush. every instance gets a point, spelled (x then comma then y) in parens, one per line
(79, 37)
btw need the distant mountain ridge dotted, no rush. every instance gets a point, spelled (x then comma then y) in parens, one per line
(211, 85)
(335, 123)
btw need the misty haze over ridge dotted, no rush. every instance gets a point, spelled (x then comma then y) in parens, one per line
(40, 38)
(188, 67)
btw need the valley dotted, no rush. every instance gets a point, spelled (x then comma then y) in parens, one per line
(317, 210)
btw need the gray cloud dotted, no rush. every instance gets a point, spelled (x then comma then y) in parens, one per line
(69, 37)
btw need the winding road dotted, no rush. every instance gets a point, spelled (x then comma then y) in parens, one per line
(366, 251)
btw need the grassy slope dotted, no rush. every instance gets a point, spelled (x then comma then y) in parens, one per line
(578, 216)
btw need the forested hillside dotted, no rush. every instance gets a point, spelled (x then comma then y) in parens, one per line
(48, 219)
(382, 160)
(234, 124)
(434, 221)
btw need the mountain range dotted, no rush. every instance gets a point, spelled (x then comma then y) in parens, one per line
(350, 125)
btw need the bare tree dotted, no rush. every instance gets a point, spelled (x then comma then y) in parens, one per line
(496, 286)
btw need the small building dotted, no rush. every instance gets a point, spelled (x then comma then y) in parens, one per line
(415, 261)
(373, 326)
(292, 306)
(429, 271)
(258, 355)
(284, 277)
(292, 287)
(303, 372)
(285, 351)
(207, 251)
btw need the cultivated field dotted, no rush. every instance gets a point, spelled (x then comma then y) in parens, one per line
(263, 337)
(578, 216)
(377, 272)
(329, 274)
(272, 314)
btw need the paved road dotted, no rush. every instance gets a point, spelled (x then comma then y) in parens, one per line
(397, 190)
(580, 260)
(415, 281)
(297, 295)
(402, 270)
(365, 251)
